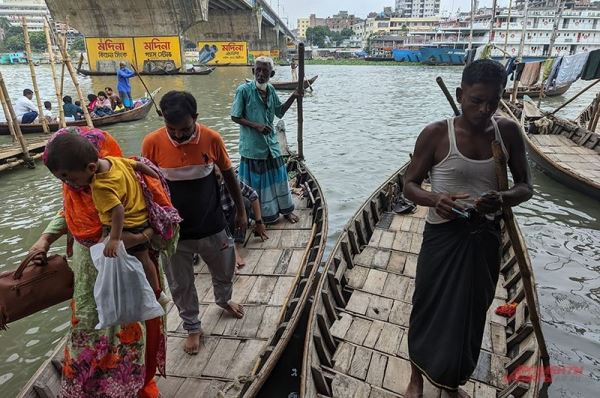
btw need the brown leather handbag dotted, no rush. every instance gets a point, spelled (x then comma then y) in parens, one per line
(32, 288)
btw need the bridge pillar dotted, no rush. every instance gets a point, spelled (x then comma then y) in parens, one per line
(237, 25)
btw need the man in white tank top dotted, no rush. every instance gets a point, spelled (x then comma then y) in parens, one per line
(458, 265)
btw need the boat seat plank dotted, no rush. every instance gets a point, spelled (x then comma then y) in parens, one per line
(381, 393)
(341, 325)
(343, 386)
(360, 363)
(201, 388)
(397, 375)
(376, 370)
(180, 364)
(342, 358)
(374, 333)
(221, 358)
(169, 386)
(269, 322)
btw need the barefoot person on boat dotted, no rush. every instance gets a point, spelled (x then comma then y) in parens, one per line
(261, 166)
(119, 361)
(458, 266)
(187, 153)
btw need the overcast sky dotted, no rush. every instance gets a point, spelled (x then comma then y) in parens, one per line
(294, 9)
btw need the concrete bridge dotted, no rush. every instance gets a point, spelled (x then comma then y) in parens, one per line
(233, 20)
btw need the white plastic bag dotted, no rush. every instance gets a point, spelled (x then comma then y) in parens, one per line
(122, 292)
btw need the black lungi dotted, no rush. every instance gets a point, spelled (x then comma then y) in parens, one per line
(457, 272)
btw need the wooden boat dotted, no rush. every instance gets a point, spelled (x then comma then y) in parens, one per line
(534, 92)
(238, 355)
(291, 85)
(356, 340)
(127, 116)
(565, 151)
(589, 116)
(175, 72)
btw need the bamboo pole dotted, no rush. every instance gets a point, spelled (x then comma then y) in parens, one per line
(299, 101)
(595, 115)
(513, 97)
(507, 28)
(36, 90)
(575, 97)
(11, 119)
(561, 7)
(471, 27)
(11, 128)
(73, 74)
(491, 37)
(522, 261)
(61, 112)
(442, 85)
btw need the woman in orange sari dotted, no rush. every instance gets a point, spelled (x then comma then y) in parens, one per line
(114, 362)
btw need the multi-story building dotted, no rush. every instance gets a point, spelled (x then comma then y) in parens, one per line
(303, 24)
(578, 31)
(342, 20)
(314, 21)
(33, 10)
(418, 8)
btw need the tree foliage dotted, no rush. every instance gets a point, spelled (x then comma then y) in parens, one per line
(78, 44)
(322, 36)
(14, 43)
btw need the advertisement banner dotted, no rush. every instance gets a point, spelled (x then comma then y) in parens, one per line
(155, 54)
(223, 52)
(105, 53)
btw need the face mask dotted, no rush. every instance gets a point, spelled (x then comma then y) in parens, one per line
(261, 86)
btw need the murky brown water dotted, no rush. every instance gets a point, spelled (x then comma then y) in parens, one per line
(360, 126)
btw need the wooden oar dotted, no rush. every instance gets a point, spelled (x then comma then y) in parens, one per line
(299, 101)
(524, 265)
(574, 97)
(158, 112)
(442, 85)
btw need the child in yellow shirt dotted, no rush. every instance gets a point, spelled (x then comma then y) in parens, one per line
(116, 191)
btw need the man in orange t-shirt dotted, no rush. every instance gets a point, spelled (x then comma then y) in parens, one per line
(187, 153)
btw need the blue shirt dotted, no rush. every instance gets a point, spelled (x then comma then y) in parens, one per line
(123, 76)
(249, 105)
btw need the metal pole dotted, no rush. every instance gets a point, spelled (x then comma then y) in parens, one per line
(61, 112)
(11, 119)
(38, 100)
(299, 100)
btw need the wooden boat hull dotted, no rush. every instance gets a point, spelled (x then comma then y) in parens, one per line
(237, 356)
(535, 93)
(176, 72)
(291, 85)
(550, 160)
(127, 116)
(356, 344)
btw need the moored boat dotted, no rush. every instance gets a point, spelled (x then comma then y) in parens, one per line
(126, 116)
(534, 92)
(565, 151)
(237, 355)
(291, 85)
(356, 342)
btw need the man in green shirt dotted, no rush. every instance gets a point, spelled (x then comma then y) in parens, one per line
(262, 167)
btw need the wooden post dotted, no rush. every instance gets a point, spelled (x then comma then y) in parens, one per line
(12, 120)
(513, 97)
(595, 114)
(442, 85)
(507, 29)
(11, 128)
(36, 90)
(61, 112)
(522, 261)
(69, 66)
(299, 101)
(561, 7)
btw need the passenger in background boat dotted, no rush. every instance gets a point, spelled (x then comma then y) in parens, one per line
(261, 166)
(119, 107)
(187, 153)
(92, 102)
(123, 85)
(48, 112)
(72, 112)
(119, 361)
(103, 106)
(25, 109)
(111, 96)
(459, 262)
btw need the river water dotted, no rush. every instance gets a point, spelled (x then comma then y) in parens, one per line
(360, 125)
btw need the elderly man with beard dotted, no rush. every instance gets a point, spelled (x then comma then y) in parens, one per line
(261, 166)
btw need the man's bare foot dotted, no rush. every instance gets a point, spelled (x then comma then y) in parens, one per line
(192, 343)
(415, 386)
(235, 309)
(292, 218)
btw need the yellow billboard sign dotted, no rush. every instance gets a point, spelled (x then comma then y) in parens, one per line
(157, 53)
(223, 52)
(275, 54)
(105, 53)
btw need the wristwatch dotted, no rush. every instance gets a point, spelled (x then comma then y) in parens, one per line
(259, 221)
